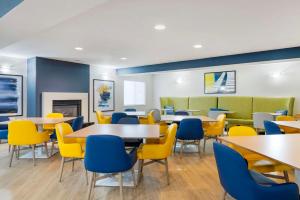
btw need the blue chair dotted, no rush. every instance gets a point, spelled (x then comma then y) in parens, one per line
(190, 132)
(131, 120)
(3, 128)
(130, 110)
(169, 110)
(271, 128)
(241, 183)
(181, 112)
(282, 112)
(77, 123)
(117, 116)
(107, 154)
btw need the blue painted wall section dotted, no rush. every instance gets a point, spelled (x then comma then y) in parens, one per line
(271, 55)
(8, 5)
(48, 75)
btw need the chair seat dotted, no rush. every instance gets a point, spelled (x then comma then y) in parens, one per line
(261, 179)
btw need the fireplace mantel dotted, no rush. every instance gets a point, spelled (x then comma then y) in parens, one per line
(48, 97)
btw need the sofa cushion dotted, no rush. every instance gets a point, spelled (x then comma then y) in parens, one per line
(233, 121)
(241, 106)
(203, 104)
(271, 104)
(164, 101)
(179, 103)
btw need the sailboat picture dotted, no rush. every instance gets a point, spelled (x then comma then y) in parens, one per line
(220, 82)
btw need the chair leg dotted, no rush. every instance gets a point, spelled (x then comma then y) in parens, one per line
(204, 144)
(73, 163)
(86, 173)
(199, 148)
(33, 154)
(18, 153)
(9, 148)
(121, 185)
(225, 194)
(167, 171)
(133, 177)
(93, 175)
(61, 168)
(175, 145)
(46, 149)
(12, 154)
(140, 170)
(52, 148)
(181, 148)
(286, 176)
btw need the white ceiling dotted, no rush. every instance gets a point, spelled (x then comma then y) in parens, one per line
(111, 29)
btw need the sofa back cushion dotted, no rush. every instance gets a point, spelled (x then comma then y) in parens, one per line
(203, 104)
(271, 104)
(179, 103)
(241, 106)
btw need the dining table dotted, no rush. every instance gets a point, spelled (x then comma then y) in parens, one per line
(178, 118)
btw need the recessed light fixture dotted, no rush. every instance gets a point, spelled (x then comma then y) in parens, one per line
(123, 58)
(78, 48)
(160, 27)
(197, 46)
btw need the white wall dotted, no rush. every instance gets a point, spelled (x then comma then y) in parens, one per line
(19, 68)
(256, 79)
(103, 73)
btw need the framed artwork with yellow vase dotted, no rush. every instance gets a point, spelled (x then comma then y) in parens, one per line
(220, 82)
(103, 95)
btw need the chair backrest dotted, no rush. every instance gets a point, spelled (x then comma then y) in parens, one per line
(241, 131)
(117, 116)
(129, 110)
(238, 182)
(169, 110)
(62, 129)
(220, 124)
(259, 118)
(22, 132)
(151, 119)
(181, 112)
(170, 139)
(214, 113)
(129, 120)
(190, 129)
(271, 128)
(156, 115)
(77, 123)
(233, 172)
(282, 112)
(99, 116)
(106, 154)
(3, 126)
(285, 118)
(52, 115)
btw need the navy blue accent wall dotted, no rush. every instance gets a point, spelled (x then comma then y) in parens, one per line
(8, 5)
(54, 76)
(278, 54)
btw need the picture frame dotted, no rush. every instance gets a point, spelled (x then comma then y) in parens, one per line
(11, 98)
(103, 95)
(222, 82)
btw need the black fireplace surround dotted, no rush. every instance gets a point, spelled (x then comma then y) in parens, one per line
(69, 108)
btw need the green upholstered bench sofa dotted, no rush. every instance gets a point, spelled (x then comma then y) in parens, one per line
(242, 106)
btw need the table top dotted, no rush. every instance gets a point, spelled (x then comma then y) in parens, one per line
(123, 130)
(178, 118)
(41, 120)
(292, 124)
(283, 148)
(136, 113)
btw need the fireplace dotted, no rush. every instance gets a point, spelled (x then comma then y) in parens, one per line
(69, 108)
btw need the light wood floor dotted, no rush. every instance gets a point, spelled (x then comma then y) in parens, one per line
(191, 177)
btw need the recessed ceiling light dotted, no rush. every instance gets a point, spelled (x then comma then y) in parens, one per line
(197, 46)
(78, 48)
(160, 27)
(123, 58)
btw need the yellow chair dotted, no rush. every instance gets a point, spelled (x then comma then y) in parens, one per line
(163, 129)
(68, 147)
(24, 133)
(157, 152)
(102, 119)
(284, 128)
(214, 129)
(255, 161)
(51, 127)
